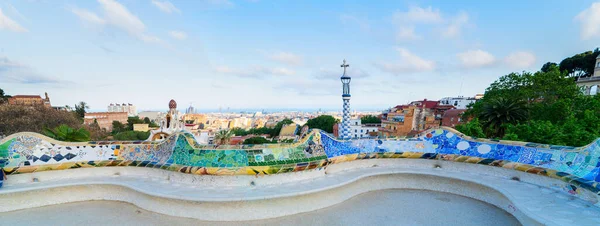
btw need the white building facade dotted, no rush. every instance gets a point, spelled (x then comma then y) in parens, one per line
(357, 130)
(459, 102)
(129, 108)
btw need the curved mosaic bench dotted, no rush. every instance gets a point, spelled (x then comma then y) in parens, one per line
(579, 167)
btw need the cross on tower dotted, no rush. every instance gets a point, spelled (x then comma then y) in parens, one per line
(344, 65)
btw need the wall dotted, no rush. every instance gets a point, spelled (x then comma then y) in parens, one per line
(30, 152)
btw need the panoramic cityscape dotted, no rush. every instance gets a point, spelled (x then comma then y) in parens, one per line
(263, 112)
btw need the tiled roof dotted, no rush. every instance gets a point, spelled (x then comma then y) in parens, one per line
(27, 96)
(453, 112)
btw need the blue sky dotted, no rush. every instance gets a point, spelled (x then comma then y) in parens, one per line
(265, 54)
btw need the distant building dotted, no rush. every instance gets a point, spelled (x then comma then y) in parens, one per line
(30, 100)
(590, 84)
(195, 118)
(129, 108)
(190, 110)
(105, 119)
(452, 117)
(154, 116)
(459, 102)
(404, 120)
(288, 132)
(358, 130)
(141, 127)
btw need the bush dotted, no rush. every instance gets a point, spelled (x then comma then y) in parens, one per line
(132, 135)
(14, 119)
(256, 140)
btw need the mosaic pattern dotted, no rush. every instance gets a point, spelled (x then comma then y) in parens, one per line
(579, 167)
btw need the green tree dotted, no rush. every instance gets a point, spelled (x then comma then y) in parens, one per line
(66, 133)
(118, 127)
(133, 120)
(132, 135)
(472, 128)
(3, 97)
(256, 140)
(322, 122)
(555, 109)
(499, 112)
(81, 109)
(277, 129)
(149, 122)
(369, 119)
(548, 66)
(239, 131)
(223, 137)
(581, 64)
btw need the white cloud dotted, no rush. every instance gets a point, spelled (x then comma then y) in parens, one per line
(520, 59)
(407, 33)
(409, 63)
(165, 6)
(180, 35)
(15, 72)
(590, 21)
(255, 71)
(9, 24)
(454, 28)
(286, 58)
(120, 17)
(418, 15)
(475, 58)
(87, 16)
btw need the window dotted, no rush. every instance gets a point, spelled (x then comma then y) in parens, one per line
(452, 119)
(355, 131)
(455, 103)
(356, 123)
(361, 130)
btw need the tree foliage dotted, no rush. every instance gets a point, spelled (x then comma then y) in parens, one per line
(580, 65)
(3, 97)
(118, 127)
(322, 122)
(275, 131)
(132, 135)
(133, 120)
(369, 119)
(66, 133)
(81, 108)
(223, 137)
(542, 107)
(15, 118)
(257, 140)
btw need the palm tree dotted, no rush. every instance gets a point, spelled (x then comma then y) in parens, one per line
(66, 133)
(223, 137)
(501, 111)
(81, 108)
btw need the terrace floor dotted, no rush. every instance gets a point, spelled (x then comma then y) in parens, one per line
(384, 207)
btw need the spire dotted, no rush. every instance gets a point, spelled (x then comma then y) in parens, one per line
(344, 65)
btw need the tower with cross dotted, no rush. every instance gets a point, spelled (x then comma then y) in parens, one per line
(345, 126)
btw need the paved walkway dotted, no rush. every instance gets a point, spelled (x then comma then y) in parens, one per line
(385, 207)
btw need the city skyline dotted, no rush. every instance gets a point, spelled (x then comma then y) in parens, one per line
(285, 55)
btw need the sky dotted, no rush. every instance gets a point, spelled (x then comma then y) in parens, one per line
(266, 54)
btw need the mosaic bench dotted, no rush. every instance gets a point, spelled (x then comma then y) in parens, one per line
(578, 167)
